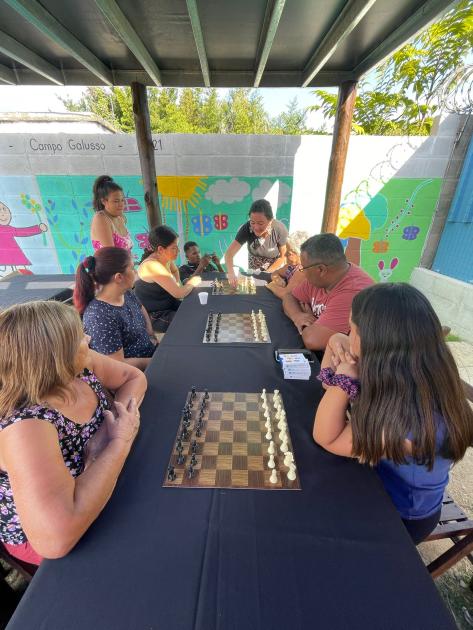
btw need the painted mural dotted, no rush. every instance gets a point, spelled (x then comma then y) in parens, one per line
(45, 220)
(384, 230)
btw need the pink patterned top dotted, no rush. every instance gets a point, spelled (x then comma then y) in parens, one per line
(124, 242)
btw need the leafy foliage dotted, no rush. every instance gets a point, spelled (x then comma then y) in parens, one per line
(403, 100)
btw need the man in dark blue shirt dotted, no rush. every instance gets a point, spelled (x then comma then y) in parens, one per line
(195, 264)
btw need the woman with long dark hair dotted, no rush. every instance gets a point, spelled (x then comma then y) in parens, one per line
(117, 323)
(108, 227)
(158, 286)
(409, 416)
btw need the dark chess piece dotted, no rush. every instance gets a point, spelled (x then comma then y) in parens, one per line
(171, 473)
(190, 471)
(181, 459)
(193, 460)
(194, 446)
(206, 394)
(183, 433)
(198, 431)
(178, 444)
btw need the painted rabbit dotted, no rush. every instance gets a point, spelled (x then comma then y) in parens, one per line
(384, 273)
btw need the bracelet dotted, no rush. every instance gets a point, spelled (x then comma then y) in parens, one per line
(351, 386)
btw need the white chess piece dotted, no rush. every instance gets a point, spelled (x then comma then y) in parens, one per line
(274, 476)
(283, 436)
(267, 424)
(271, 449)
(291, 475)
(271, 463)
(263, 395)
(269, 435)
(284, 446)
(288, 458)
(282, 424)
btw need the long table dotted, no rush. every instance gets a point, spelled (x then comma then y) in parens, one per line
(26, 288)
(332, 556)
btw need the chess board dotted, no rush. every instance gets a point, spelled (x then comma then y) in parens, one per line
(225, 288)
(232, 451)
(234, 328)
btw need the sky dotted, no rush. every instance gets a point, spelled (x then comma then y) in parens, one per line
(45, 98)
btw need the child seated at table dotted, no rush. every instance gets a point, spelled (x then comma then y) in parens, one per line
(117, 323)
(289, 276)
(408, 414)
(57, 423)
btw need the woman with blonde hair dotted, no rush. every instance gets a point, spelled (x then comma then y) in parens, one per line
(288, 277)
(62, 443)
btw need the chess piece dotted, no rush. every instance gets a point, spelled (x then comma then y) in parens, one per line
(193, 460)
(274, 477)
(271, 463)
(190, 471)
(171, 473)
(269, 435)
(198, 431)
(291, 475)
(284, 446)
(271, 449)
(282, 424)
(194, 445)
(181, 459)
(288, 458)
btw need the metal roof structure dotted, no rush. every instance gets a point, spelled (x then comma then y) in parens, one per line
(218, 43)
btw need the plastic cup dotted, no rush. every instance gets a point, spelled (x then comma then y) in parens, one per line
(203, 297)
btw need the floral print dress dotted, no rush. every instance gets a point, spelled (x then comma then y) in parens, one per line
(73, 438)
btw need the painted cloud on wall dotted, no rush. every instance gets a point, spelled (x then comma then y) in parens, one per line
(228, 191)
(272, 190)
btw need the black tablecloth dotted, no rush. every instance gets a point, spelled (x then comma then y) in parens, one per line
(332, 556)
(19, 289)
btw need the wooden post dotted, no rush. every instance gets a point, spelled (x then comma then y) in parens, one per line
(146, 152)
(338, 157)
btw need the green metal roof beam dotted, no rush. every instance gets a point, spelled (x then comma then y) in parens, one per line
(39, 17)
(28, 58)
(130, 38)
(199, 39)
(7, 75)
(351, 15)
(269, 39)
(410, 27)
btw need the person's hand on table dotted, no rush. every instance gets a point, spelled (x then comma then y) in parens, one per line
(194, 281)
(302, 320)
(215, 258)
(339, 345)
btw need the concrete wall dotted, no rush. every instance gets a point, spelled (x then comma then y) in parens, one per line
(452, 300)
(207, 183)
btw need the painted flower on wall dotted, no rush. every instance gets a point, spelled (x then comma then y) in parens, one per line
(143, 240)
(410, 233)
(380, 247)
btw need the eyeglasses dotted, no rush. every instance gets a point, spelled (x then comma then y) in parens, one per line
(319, 262)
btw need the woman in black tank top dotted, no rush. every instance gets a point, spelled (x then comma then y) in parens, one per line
(158, 286)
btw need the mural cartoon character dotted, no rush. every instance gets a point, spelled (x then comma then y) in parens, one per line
(11, 254)
(384, 272)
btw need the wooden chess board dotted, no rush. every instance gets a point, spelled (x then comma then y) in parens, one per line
(235, 328)
(223, 287)
(232, 451)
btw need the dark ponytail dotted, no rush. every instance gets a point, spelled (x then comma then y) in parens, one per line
(103, 186)
(98, 270)
(160, 236)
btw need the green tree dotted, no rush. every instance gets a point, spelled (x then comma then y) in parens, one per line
(403, 100)
(244, 112)
(292, 121)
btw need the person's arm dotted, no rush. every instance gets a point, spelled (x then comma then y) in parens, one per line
(331, 430)
(231, 252)
(201, 267)
(280, 273)
(316, 336)
(153, 270)
(139, 362)
(101, 230)
(149, 325)
(293, 310)
(54, 508)
(125, 380)
(216, 262)
(175, 272)
(276, 289)
(279, 262)
(335, 318)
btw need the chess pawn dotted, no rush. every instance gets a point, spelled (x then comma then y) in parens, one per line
(263, 394)
(282, 424)
(271, 449)
(288, 458)
(271, 463)
(284, 446)
(274, 477)
(269, 435)
(291, 475)
(267, 424)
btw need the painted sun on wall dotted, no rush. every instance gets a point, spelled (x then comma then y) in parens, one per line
(384, 232)
(46, 219)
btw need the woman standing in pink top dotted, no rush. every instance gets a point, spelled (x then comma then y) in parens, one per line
(108, 228)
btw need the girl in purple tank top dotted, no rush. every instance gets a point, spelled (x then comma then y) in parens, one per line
(108, 227)
(408, 415)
